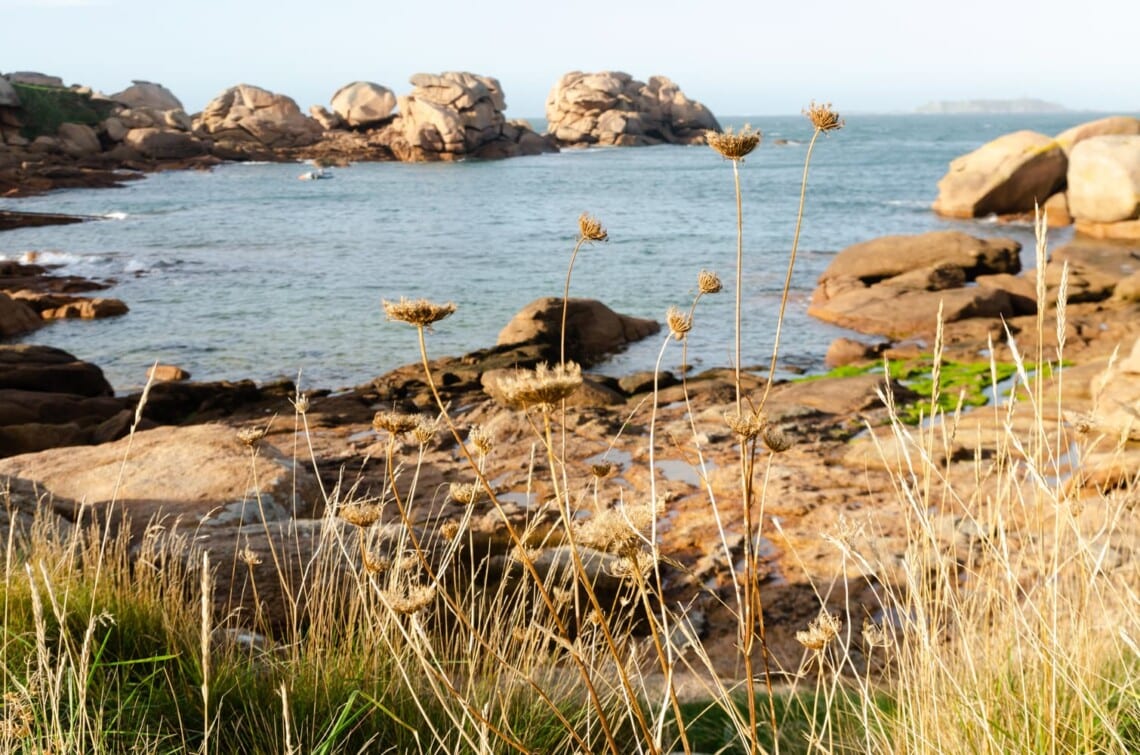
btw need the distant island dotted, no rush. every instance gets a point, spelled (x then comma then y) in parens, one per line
(1023, 105)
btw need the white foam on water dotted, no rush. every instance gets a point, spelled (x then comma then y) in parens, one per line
(116, 215)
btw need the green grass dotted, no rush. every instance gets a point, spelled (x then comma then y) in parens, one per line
(45, 109)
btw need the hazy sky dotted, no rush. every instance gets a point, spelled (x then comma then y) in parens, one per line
(744, 58)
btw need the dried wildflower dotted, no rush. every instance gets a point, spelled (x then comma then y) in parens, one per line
(561, 597)
(301, 404)
(397, 423)
(544, 387)
(590, 228)
(415, 598)
(250, 435)
(708, 282)
(374, 565)
(634, 565)
(602, 470)
(418, 312)
(524, 555)
(619, 530)
(466, 493)
(875, 636)
(425, 429)
(823, 117)
(361, 514)
(481, 440)
(775, 439)
(679, 323)
(820, 632)
(748, 425)
(449, 530)
(408, 562)
(18, 717)
(249, 557)
(734, 146)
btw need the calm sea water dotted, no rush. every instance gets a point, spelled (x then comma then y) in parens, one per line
(247, 272)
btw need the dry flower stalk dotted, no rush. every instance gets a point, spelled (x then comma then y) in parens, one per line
(301, 404)
(397, 423)
(466, 493)
(361, 514)
(708, 282)
(414, 599)
(425, 430)
(734, 146)
(419, 312)
(591, 229)
(618, 530)
(480, 438)
(679, 322)
(449, 530)
(747, 425)
(250, 435)
(820, 632)
(249, 557)
(545, 387)
(823, 118)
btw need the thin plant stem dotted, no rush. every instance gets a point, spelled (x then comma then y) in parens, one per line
(566, 301)
(739, 275)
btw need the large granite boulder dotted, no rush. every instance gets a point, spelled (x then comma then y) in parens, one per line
(593, 330)
(363, 104)
(893, 286)
(1104, 179)
(78, 140)
(35, 78)
(164, 144)
(612, 108)
(145, 94)
(1114, 124)
(146, 478)
(16, 317)
(458, 114)
(1005, 176)
(246, 116)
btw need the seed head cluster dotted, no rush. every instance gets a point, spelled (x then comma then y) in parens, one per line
(466, 493)
(734, 146)
(419, 312)
(619, 530)
(362, 513)
(823, 118)
(591, 229)
(410, 600)
(250, 435)
(544, 388)
(396, 423)
(708, 283)
(680, 323)
(820, 632)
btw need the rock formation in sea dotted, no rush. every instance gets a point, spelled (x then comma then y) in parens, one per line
(613, 108)
(1088, 175)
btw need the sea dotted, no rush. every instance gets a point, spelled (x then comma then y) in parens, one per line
(244, 271)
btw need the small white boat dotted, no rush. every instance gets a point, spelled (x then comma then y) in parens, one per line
(314, 175)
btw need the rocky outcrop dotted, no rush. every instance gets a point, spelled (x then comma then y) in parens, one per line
(149, 96)
(593, 330)
(1006, 176)
(16, 317)
(246, 118)
(455, 115)
(894, 286)
(612, 108)
(363, 104)
(1104, 179)
(1115, 124)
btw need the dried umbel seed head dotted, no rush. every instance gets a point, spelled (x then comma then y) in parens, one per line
(250, 435)
(823, 117)
(449, 530)
(619, 530)
(734, 146)
(397, 423)
(249, 557)
(875, 636)
(414, 598)
(602, 470)
(480, 438)
(708, 282)
(775, 439)
(301, 404)
(425, 430)
(680, 323)
(418, 312)
(590, 228)
(544, 387)
(748, 425)
(523, 555)
(820, 632)
(362, 513)
(374, 564)
(633, 566)
(466, 493)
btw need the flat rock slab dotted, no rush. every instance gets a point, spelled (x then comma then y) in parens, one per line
(202, 474)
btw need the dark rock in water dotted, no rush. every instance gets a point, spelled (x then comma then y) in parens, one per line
(175, 402)
(10, 219)
(43, 368)
(593, 330)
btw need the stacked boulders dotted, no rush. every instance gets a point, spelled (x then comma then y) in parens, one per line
(612, 108)
(249, 122)
(458, 114)
(1088, 174)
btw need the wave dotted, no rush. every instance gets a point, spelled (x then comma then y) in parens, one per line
(115, 215)
(909, 203)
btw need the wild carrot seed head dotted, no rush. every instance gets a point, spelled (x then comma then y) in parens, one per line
(708, 282)
(734, 146)
(590, 228)
(823, 118)
(418, 312)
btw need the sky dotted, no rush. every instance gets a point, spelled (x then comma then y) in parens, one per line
(747, 58)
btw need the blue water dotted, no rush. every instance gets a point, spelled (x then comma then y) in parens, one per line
(245, 271)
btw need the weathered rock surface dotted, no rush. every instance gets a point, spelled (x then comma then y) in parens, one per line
(893, 286)
(1115, 124)
(458, 114)
(363, 104)
(612, 108)
(146, 94)
(78, 140)
(1104, 179)
(1005, 176)
(229, 486)
(244, 116)
(16, 317)
(593, 330)
(163, 144)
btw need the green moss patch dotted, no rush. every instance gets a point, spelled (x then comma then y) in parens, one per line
(45, 109)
